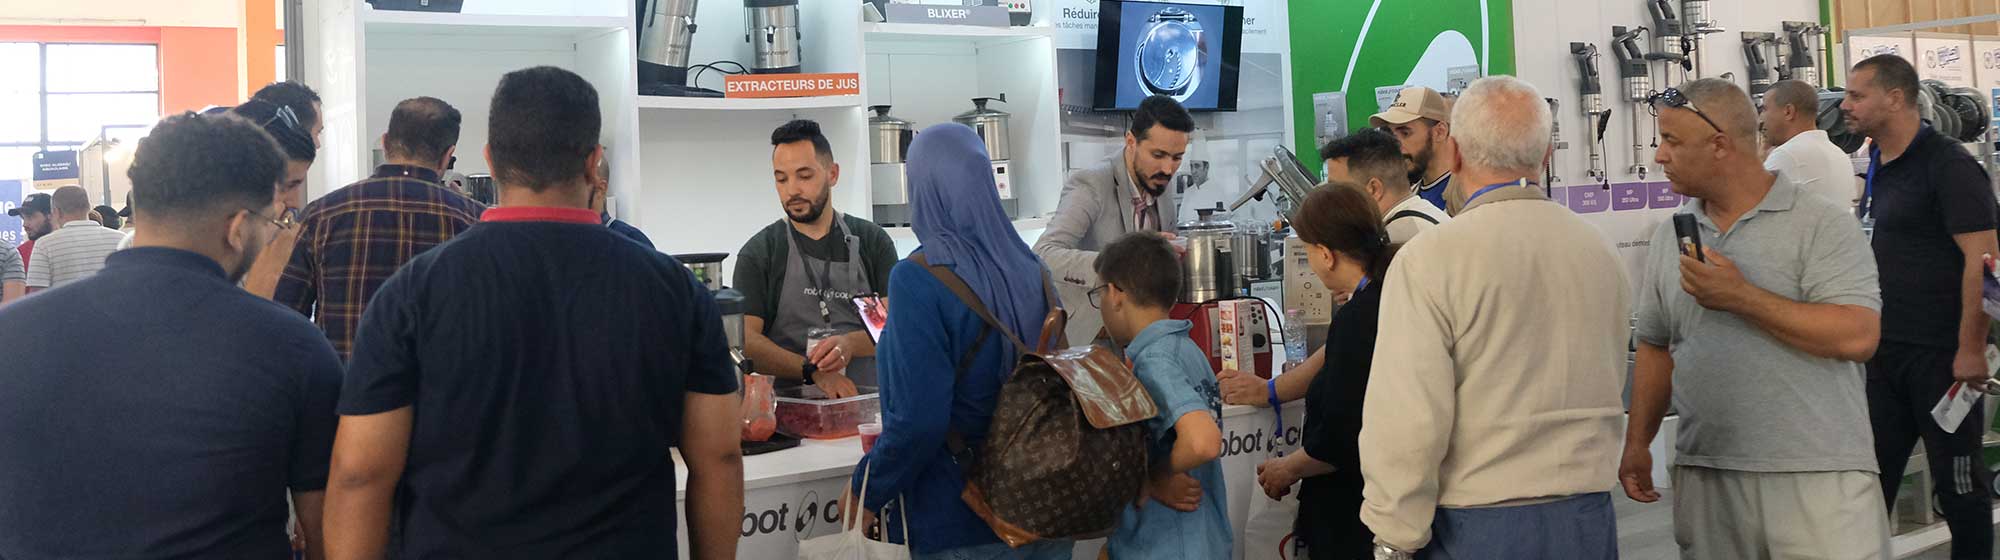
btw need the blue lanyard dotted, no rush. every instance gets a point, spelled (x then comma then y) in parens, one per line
(1488, 189)
(1364, 282)
(1868, 186)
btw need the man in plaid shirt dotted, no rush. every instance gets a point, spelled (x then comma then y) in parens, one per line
(352, 239)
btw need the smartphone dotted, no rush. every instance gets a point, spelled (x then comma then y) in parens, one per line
(1689, 234)
(874, 314)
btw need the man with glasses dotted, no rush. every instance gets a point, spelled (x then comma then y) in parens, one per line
(353, 238)
(75, 251)
(1758, 339)
(195, 408)
(1932, 209)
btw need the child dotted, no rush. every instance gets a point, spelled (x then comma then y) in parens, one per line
(1141, 279)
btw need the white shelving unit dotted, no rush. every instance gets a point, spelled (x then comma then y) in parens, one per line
(694, 173)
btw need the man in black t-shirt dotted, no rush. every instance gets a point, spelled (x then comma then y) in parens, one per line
(1932, 208)
(515, 392)
(802, 273)
(155, 409)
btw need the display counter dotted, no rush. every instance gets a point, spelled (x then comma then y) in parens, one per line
(792, 495)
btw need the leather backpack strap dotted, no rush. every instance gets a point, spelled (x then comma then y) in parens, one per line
(955, 441)
(959, 288)
(1413, 214)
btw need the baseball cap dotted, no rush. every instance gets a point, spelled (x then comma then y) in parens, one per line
(35, 203)
(1413, 103)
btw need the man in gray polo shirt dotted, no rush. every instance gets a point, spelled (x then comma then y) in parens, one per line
(1760, 346)
(77, 249)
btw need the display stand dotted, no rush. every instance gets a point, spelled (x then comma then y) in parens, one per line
(694, 173)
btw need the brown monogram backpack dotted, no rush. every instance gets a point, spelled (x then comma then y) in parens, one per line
(1066, 453)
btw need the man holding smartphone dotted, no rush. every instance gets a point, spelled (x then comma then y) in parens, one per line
(1756, 324)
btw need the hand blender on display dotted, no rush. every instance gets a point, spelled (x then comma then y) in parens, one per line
(1591, 98)
(1638, 81)
(1755, 65)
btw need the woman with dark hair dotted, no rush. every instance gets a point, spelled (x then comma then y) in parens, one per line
(1349, 250)
(956, 213)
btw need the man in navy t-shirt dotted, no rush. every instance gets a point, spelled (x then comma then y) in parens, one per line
(163, 411)
(514, 392)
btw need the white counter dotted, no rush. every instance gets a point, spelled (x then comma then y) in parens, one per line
(790, 495)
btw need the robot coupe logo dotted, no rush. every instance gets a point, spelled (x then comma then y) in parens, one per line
(1941, 57)
(811, 513)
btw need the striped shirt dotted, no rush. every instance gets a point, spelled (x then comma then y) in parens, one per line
(11, 269)
(72, 253)
(353, 239)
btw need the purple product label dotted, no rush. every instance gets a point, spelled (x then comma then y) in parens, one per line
(1560, 195)
(1664, 196)
(1628, 196)
(1589, 200)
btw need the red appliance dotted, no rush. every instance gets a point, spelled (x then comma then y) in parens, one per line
(1207, 333)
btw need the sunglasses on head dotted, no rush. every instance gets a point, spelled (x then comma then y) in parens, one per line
(1673, 99)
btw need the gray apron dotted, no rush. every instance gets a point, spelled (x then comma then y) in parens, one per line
(818, 293)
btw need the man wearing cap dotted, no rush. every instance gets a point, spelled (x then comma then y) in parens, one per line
(36, 220)
(78, 249)
(1421, 122)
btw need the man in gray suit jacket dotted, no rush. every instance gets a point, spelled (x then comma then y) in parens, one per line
(1122, 194)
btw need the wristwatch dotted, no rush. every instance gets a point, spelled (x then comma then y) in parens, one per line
(1170, 53)
(1386, 552)
(806, 373)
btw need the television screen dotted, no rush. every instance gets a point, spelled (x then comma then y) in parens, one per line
(1185, 51)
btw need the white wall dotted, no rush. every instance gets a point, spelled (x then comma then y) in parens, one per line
(149, 13)
(1543, 30)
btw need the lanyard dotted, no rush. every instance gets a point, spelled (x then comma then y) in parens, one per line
(825, 273)
(1362, 286)
(1484, 190)
(1867, 208)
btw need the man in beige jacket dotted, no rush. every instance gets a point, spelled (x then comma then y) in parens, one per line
(1493, 418)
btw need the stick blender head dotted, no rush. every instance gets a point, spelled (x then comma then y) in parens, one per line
(1755, 64)
(1800, 39)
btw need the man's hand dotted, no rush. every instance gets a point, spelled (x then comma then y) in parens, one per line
(851, 509)
(1716, 284)
(1970, 367)
(1180, 249)
(1636, 473)
(1177, 491)
(1243, 388)
(832, 357)
(1277, 477)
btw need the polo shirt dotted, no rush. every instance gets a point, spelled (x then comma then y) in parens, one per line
(630, 232)
(1919, 201)
(11, 269)
(760, 265)
(547, 360)
(1435, 191)
(164, 414)
(1748, 401)
(1406, 228)
(1811, 160)
(72, 252)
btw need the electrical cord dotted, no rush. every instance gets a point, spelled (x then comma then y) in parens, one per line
(695, 80)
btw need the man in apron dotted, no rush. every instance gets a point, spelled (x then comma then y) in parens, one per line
(802, 273)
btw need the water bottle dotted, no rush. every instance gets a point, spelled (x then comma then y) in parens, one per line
(1295, 338)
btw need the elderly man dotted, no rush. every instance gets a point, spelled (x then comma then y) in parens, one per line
(1766, 327)
(1492, 421)
(1932, 207)
(1799, 149)
(75, 251)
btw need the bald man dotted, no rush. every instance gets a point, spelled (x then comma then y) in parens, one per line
(1800, 150)
(76, 250)
(1768, 326)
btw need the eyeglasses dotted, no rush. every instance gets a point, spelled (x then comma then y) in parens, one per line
(1097, 296)
(1673, 99)
(286, 218)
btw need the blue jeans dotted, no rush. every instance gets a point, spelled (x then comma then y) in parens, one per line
(1576, 528)
(1039, 550)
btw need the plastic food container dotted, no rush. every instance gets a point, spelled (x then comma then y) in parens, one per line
(804, 411)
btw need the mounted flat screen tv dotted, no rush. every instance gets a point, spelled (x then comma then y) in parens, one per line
(1189, 52)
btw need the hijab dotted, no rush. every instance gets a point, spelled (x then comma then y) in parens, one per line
(955, 210)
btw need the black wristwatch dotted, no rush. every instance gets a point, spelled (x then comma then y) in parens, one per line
(806, 373)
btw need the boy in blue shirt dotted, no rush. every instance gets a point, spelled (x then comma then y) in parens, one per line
(1141, 281)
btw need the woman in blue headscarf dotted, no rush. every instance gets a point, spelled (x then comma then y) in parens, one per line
(955, 210)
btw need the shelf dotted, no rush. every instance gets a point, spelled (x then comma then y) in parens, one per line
(648, 102)
(951, 33)
(438, 23)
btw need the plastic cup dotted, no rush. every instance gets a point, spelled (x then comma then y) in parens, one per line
(869, 432)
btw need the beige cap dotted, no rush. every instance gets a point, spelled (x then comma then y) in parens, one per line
(1413, 103)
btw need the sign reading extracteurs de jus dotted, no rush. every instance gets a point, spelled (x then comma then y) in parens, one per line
(791, 85)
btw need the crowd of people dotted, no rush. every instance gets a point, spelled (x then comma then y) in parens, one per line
(438, 378)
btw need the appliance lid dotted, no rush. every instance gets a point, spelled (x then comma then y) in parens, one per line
(981, 112)
(882, 118)
(701, 258)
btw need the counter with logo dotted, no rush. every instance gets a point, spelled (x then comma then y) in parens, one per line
(793, 495)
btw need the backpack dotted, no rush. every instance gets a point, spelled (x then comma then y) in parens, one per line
(1412, 214)
(1066, 453)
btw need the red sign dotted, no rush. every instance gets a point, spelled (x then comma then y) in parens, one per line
(791, 85)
